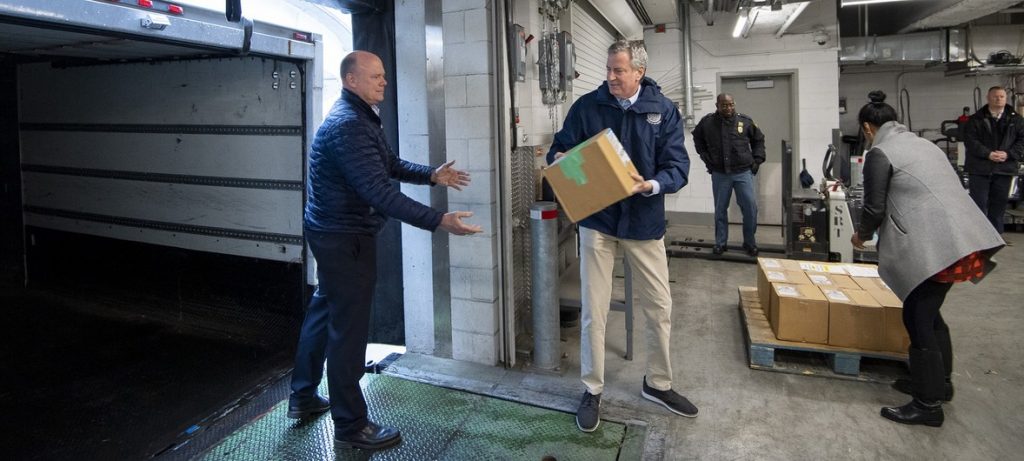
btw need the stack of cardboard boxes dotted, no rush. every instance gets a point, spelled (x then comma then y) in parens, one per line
(844, 305)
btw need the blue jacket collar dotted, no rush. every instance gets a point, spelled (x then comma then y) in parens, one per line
(357, 103)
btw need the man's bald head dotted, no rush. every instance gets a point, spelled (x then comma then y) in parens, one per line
(726, 106)
(362, 73)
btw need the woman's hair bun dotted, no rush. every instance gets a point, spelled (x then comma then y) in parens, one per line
(877, 96)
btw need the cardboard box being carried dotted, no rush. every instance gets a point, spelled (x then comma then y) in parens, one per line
(799, 313)
(896, 338)
(591, 176)
(855, 319)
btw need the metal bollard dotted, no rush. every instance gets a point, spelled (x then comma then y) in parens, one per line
(547, 351)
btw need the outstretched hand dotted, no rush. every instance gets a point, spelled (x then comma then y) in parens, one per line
(640, 186)
(452, 223)
(856, 241)
(447, 176)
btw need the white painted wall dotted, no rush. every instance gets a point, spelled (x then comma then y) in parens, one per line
(717, 54)
(933, 96)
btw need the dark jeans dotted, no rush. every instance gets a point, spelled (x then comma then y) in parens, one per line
(921, 314)
(991, 193)
(722, 185)
(337, 325)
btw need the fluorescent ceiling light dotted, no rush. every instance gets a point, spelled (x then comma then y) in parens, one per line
(741, 22)
(867, 2)
(750, 22)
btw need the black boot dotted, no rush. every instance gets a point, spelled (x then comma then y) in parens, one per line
(916, 412)
(927, 382)
(946, 349)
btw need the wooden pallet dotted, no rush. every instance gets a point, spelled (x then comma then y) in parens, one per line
(766, 352)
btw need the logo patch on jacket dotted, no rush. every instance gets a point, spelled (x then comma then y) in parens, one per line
(654, 118)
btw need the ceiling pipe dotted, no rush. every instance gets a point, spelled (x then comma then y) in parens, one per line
(687, 51)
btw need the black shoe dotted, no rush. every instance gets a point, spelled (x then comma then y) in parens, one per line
(370, 437)
(717, 250)
(588, 415)
(670, 399)
(299, 409)
(916, 412)
(906, 387)
(751, 250)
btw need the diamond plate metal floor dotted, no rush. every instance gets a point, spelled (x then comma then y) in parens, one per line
(436, 423)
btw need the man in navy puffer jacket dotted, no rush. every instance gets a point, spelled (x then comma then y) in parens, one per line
(349, 197)
(650, 129)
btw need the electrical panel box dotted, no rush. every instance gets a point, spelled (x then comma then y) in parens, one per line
(519, 52)
(566, 62)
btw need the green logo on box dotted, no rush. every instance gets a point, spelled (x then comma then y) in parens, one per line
(572, 167)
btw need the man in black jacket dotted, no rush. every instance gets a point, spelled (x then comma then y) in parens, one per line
(994, 137)
(732, 148)
(349, 197)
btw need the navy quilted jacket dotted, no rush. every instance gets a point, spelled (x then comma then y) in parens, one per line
(651, 131)
(350, 171)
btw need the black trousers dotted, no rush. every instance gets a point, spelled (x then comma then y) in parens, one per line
(921, 314)
(337, 325)
(991, 193)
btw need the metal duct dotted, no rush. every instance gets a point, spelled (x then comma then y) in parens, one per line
(965, 11)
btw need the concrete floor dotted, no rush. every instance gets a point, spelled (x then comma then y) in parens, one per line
(754, 414)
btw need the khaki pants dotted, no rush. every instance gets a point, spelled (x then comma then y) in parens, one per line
(650, 272)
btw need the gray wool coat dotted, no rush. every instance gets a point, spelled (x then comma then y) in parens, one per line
(928, 220)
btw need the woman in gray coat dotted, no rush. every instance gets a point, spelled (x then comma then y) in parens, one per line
(930, 235)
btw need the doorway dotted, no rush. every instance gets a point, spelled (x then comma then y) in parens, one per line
(768, 100)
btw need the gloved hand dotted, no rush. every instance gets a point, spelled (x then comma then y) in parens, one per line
(753, 168)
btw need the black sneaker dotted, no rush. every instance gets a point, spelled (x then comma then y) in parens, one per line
(751, 250)
(717, 250)
(588, 415)
(670, 399)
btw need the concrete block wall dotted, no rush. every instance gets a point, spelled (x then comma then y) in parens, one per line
(469, 106)
(716, 53)
(413, 145)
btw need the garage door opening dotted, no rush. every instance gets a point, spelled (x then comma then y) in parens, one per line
(153, 271)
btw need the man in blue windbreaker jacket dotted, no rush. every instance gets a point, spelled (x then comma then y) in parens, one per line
(349, 197)
(651, 130)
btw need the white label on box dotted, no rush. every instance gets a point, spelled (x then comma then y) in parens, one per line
(771, 263)
(787, 290)
(835, 269)
(812, 267)
(775, 276)
(836, 295)
(819, 279)
(861, 271)
(614, 140)
(828, 268)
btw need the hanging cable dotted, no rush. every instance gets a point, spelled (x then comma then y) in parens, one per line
(977, 98)
(906, 120)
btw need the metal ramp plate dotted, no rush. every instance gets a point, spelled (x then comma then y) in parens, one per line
(436, 423)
